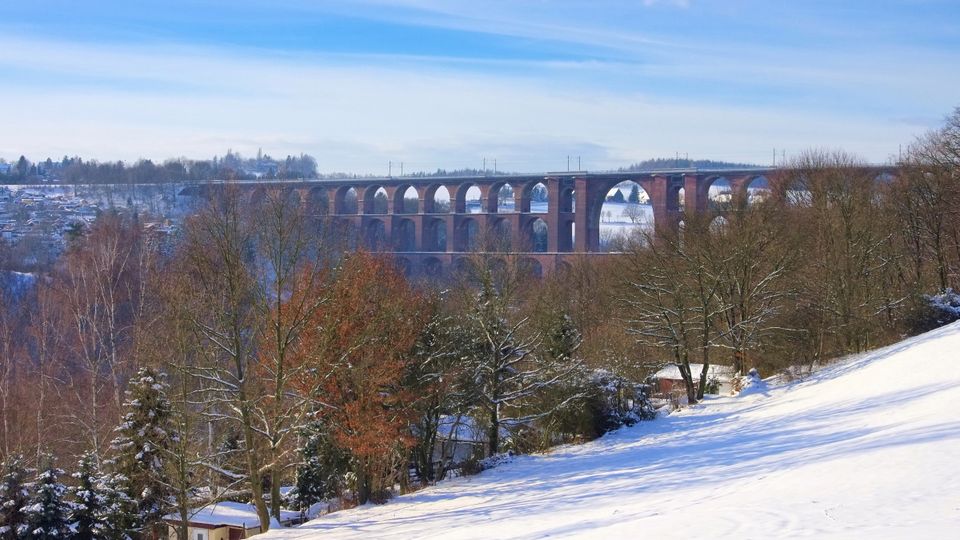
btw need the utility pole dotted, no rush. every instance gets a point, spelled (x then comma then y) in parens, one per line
(568, 163)
(401, 168)
(494, 166)
(389, 168)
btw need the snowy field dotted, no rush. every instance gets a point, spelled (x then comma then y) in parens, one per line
(865, 449)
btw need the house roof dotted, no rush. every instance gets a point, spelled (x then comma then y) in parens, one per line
(229, 514)
(672, 372)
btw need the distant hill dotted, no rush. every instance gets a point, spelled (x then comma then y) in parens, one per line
(671, 163)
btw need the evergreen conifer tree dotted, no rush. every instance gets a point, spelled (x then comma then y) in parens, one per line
(634, 195)
(142, 446)
(14, 498)
(117, 516)
(48, 510)
(87, 501)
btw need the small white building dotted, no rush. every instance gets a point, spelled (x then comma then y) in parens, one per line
(668, 379)
(225, 520)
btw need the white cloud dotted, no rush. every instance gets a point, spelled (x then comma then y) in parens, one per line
(356, 113)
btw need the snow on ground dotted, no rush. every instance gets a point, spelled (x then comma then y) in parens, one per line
(864, 449)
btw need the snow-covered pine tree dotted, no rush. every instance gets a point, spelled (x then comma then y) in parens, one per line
(14, 497)
(117, 516)
(87, 500)
(48, 510)
(320, 475)
(142, 446)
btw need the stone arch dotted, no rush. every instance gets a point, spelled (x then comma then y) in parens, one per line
(403, 265)
(535, 198)
(530, 267)
(501, 199)
(720, 191)
(432, 267)
(536, 235)
(756, 189)
(501, 233)
(259, 196)
(617, 221)
(344, 233)
(375, 235)
(435, 234)
(461, 266)
(568, 200)
(318, 201)
(405, 235)
(567, 235)
(463, 202)
(563, 268)
(404, 202)
(468, 235)
(436, 199)
(375, 200)
(497, 267)
(345, 200)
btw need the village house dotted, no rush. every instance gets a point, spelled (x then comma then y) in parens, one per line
(667, 381)
(226, 520)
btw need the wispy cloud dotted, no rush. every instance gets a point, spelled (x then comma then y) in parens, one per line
(609, 81)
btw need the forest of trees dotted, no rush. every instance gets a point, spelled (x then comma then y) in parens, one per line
(255, 352)
(232, 166)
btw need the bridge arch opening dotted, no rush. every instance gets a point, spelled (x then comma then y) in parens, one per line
(375, 235)
(344, 234)
(681, 200)
(757, 189)
(468, 199)
(568, 200)
(404, 266)
(537, 236)
(405, 236)
(502, 200)
(567, 235)
(318, 202)
(436, 200)
(258, 197)
(432, 267)
(502, 235)
(530, 268)
(625, 215)
(406, 200)
(375, 200)
(536, 198)
(469, 235)
(345, 200)
(720, 193)
(436, 235)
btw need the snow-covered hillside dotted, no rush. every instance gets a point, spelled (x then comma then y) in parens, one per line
(866, 449)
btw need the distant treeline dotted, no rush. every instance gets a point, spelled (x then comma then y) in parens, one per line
(671, 163)
(232, 166)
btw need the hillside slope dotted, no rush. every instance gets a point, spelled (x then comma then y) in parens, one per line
(868, 448)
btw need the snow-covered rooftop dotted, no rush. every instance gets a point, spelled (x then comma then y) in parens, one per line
(229, 513)
(672, 372)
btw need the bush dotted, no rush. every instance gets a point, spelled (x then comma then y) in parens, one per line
(932, 311)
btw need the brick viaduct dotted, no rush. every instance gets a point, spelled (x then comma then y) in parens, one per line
(435, 236)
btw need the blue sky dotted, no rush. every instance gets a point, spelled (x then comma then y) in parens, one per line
(446, 83)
